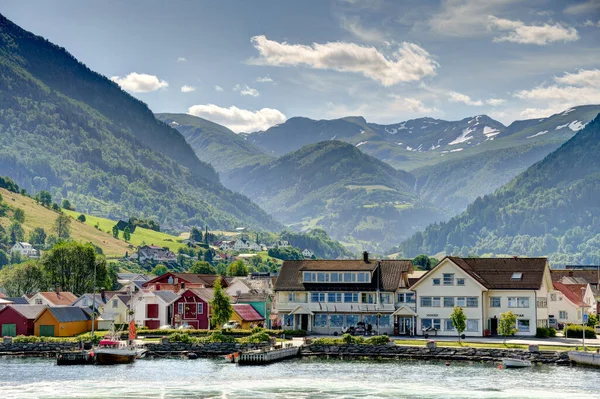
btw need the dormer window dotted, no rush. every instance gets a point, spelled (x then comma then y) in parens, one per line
(517, 276)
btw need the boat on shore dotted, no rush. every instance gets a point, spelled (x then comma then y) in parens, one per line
(509, 362)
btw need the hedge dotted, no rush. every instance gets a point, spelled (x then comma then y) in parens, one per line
(575, 331)
(349, 339)
(236, 332)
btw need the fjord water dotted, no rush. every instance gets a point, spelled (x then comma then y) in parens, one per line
(306, 378)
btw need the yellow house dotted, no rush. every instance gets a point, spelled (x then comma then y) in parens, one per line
(246, 315)
(114, 311)
(65, 321)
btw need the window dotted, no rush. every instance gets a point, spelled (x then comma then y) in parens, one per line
(351, 320)
(428, 323)
(385, 298)
(115, 303)
(349, 277)
(495, 302)
(336, 320)
(436, 302)
(385, 320)
(309, 277)
(334, 297)
(542, 303)
(553, 297)
(448, 278)
(370, 319)
(523, 325)
(320, 320)
(291, 297)
(436, 281)
(38, 302)
(472, 302)
(336, 278)
(351, 297)
(448, 326)
(367, 297)
(448, 301)
(288, 320)
(562, 315)
(426, 301)
(461, 301)
(460, 281)
(410, 298)
(518, 302)
(472, 325)
(200, 308)
(517, 276)
(180, 308)
(317, 297)
(361, 277)
(322, 277)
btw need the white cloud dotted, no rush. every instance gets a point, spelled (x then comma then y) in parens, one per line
(410, 104)
(532, 34)
(456, 97)
(409, 63)
(463, 18)
(590, 77)
(187, 89)
(386, 109)
(246, 91)
(264, 79)
(140, 82)
(181, 59)
(364, 34)
(589, 23)
(218, 88)
(495, 101)
(239, 120)
(586, 7)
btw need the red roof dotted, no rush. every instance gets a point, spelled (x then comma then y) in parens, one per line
(247, 312)
(572, 292)
(59, 299)
(2, 295)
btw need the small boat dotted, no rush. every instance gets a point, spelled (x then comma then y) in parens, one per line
(114, 352)
(509, 362)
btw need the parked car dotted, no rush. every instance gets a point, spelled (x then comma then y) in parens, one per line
(554, 323)
(186, 327)
(232, 324)
(166, 327)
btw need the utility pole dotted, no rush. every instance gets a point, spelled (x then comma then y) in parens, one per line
(94, 301)
(583, 316)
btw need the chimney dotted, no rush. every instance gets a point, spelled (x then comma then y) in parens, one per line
(515, 257)
(366, 257)
(182, 285)
(102, 295)
(570, 273)
(57, 289)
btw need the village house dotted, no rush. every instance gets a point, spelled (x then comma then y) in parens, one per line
(567, 303)
(89, 301)
(327, 296)
(579, 276)
(153, 253)
(18, 319)
(260, 302)
(247, 316)
(153, 308)
(25, 249)
(177, 281)
(192, 307)
(307, 253)
(53, 298)
(225, 245)
(64, 321)
(114, 311)
(484, 288)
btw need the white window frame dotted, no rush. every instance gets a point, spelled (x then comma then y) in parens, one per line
(492, 305)
(563, 314)
(448, 326)
(426, 299)
(470, 300)
(472, 325)
(449, 298)
(460, 281)
(522, 329)
(518, 302)
(448, 278)
(436, 281)
(438, 300)
(199, 308)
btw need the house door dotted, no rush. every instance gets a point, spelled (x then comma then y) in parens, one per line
(46, 331)
(494, 326)
(9, 330)
(304, 322)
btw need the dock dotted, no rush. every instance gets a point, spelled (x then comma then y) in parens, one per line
(73, 358)
(268, 355)
(586, 358)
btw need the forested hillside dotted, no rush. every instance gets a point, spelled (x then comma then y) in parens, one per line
(553, 209)
(68, 130)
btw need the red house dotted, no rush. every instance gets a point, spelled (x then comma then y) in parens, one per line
(179, 281)
(18, 319)
(192, 307)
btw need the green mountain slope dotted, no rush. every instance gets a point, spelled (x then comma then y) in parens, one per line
(215, 144)
(71, 131)
(553, 209)
(333, 185)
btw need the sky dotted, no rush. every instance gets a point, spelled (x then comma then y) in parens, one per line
(250, 65)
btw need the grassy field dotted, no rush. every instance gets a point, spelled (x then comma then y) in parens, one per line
(38, 216)
(486, 345)
(140, 237)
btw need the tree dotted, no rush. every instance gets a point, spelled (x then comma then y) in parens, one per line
(237, 268)
(37, 238)
(459, 320)
(592, 320)
(196, 234)
(507, 323)
(81, 218)
(56, 208)
(15, 257)
(4, 260)
(159, 270)
(66, 204)
(62, 227)
(15, 233)
(19, 215)
(208, 256)
(220, 306)
(44, 198)
(425, 262)
(115, 231)
(51, 241)
(200, 267)
(24, 278)
(127, 233)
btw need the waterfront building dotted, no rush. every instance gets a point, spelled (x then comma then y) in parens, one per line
(567, 304)
(66, 321)
(114, 311)
(260, 301)
(177, 281)
(484, 288)
(192, 307)
(579, 276)
(328, 296)
(247, 316)
(152, 308)
(18, 319)
(53, 298)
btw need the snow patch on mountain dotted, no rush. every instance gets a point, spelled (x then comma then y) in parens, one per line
(576, 126)
(490, 131)
(561, 126)
(537, 134)
(174, 123)
(463, 137)
(457, 150)
(361, 143)
(568, 111)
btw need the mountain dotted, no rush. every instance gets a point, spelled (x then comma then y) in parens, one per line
(333, 185)
(552, 208)
(69, 130)
(215, 144)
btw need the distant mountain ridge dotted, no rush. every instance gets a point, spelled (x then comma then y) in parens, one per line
(69, 130)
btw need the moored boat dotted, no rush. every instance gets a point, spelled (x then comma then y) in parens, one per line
(114, 352)
(515, 363)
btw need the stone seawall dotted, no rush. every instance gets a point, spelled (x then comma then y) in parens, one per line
(36, 348)
(202, 350)
(422, 353)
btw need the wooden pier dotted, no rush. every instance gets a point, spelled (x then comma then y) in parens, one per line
(73, 358)
(268, 355)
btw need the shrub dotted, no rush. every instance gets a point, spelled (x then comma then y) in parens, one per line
(542, 332)
(575, 331)
(218, 336)
(180, 337)
(26, 339)
(377, 340)
(256, 330)
(88, 337)
(347, 338)
(552, 332)
(256, 338)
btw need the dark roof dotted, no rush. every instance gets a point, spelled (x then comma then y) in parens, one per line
(68, 314)
(496, 273)
(590, 276)
(252, 297)
(207, 279)
(166, 295)
(28, 311)
(204, 293)
(247, 312)
(19, 300)
(387, 277)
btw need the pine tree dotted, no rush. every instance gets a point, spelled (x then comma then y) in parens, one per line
(115, 231)
(220, 306)
(127, 233)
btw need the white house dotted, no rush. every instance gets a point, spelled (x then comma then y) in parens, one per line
(53, 298)
(484, 288)
(252, 246)
(307, 253)
(25, 249)
(153, 308)
(113, 311)
(565, 302)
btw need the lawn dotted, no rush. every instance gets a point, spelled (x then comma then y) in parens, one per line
(486, 345)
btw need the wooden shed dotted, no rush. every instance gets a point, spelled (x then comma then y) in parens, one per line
(18, 319)
(246, 315)
(65, 321)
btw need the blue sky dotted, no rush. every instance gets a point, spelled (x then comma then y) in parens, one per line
(252, 64)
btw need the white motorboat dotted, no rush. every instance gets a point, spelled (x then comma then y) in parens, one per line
(509, 362)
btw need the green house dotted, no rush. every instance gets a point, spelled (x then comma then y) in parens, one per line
(259, 301)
